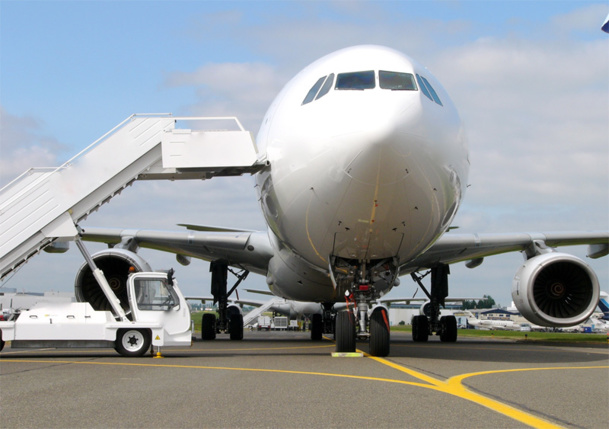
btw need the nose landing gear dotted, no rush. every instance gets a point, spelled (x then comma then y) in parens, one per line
(357, 322)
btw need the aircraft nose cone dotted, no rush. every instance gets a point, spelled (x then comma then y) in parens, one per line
(383, 153)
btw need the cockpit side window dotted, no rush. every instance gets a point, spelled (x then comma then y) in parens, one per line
(428, 90)
(327, 86)
(434, 95)
(355, 80)
(313, 91)
(424, 88)
(397, 81)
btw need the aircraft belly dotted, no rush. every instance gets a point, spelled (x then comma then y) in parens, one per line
(291, 277)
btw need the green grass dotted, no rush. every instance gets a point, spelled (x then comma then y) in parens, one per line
(514, 335)
(529, 336)
(197, 316)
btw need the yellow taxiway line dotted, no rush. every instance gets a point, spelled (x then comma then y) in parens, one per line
(453, 386)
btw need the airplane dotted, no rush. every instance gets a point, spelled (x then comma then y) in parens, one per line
(364, 165)
(290, 308)
(603, 304)
(491, 324)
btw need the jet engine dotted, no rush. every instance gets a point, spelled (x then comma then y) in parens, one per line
(116, 265)
(555, 289)
(425, 309)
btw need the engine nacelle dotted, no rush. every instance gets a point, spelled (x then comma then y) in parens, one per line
(116, 265)
(425, 309)
(233, 309)
(555, 289)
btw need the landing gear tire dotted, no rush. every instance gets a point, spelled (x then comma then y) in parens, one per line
(132, 342)
(345, 332)
(235, 327)
(317, 327)
(379, 333)
(208, 327)
(448, 325)
(420, 329)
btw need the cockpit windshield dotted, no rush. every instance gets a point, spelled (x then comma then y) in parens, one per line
(362, 80)
(397, 81)
(355, 80)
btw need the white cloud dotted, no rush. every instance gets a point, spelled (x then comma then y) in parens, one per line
(244, 90)
(536, 112)
(584, 19)
(22, 146)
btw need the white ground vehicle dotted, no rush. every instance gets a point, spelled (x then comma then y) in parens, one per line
(280, 323)
(264, 322)
(157, 315)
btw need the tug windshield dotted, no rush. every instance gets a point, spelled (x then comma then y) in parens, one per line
(154, 294)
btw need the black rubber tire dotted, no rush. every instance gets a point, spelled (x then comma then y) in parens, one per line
(379, 333)
(345, 332)
(317, 327)
(449, 329)
(235, 326)
(420, 329)
(132, 342)
(208, 327)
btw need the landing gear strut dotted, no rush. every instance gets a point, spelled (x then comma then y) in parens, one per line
(230, 319)
(424, 325)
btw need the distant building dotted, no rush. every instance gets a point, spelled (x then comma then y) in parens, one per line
(495, 314)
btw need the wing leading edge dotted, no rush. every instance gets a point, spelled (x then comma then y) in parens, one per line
(250, 250)
(452, 248)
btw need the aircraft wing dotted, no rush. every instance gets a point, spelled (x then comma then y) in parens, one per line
(250, 250)
(250, 302)
(261, 292)
(422, 300)
(200, 298)
(452, 248)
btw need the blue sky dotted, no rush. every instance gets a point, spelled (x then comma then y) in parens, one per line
(530, 79)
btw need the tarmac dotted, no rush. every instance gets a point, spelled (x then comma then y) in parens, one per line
(283, 379)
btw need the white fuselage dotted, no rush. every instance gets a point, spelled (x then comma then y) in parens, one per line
(359, 174)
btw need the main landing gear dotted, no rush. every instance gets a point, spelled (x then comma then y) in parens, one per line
(230, 319)
(426, 324)
(323, 323)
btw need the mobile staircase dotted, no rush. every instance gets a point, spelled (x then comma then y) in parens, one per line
(252, 316)
(43, 206)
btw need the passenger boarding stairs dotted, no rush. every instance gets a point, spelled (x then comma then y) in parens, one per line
(45, 204)
(252, 316)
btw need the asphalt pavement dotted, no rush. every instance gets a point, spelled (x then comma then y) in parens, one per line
(283, 379)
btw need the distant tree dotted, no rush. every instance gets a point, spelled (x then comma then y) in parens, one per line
(486, 302)
(468, 305)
